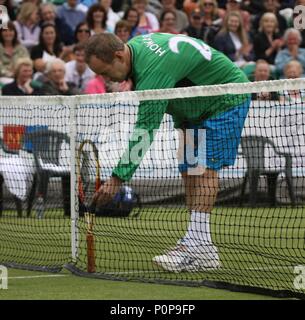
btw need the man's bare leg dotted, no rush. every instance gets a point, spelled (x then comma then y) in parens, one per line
(201, 192)
(195, 251)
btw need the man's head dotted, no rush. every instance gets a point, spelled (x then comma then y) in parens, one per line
(262, 71)
(56, 70)
(107, 55)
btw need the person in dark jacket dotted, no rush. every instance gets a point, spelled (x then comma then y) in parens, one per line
(233, 40)
(271, 6)
(268, 41)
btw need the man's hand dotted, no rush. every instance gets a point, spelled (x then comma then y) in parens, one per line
(107, 191)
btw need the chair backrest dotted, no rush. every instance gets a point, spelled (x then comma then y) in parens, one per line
(253, 150)
(46, 145)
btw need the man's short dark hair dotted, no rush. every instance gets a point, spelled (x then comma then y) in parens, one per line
(103, 46)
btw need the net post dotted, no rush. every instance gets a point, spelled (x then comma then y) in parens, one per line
(74, 214)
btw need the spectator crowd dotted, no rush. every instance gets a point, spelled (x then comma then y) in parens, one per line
(42, 48)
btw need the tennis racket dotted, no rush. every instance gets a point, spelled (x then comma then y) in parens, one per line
(87, 152)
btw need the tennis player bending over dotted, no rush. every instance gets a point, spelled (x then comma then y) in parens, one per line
(157, 61)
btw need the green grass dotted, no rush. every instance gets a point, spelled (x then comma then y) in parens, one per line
(26, 285)
(258, 247)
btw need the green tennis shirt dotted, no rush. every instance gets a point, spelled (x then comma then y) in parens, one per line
(160, 61)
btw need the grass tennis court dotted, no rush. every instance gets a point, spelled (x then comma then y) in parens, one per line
(258, 247)
(40, 285)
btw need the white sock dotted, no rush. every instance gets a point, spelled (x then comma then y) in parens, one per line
(198, 230)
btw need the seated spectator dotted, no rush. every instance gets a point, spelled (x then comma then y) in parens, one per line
(182, 21)
(49, 48)
(82, 32)
(235, 5)
(10, 51)
(132, 16)
(112, 17)
(212, 22)
(123, 30)
(274, 7)
(268, 41)
(96, 19)
(27, 25)
(293, 70)
(55, 83)
(23, 83)
(211, 13)
(233, 40)
(168, 22)
(48, 15)
(196, 28)
(72, 13)
(96, 85)
(262, 72)
(147, 20)
(77, 71)
(292, 51)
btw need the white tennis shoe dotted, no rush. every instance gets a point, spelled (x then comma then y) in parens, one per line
(189, 258)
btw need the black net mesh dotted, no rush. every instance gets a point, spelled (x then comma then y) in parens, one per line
(212, 194)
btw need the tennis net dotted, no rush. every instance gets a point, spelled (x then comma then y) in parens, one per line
(257, 222)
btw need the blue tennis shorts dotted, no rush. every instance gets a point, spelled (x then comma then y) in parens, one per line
(220, 142)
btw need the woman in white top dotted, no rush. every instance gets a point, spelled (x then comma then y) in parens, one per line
(27, 25)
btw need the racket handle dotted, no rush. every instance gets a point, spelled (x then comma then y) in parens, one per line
(90, 253)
